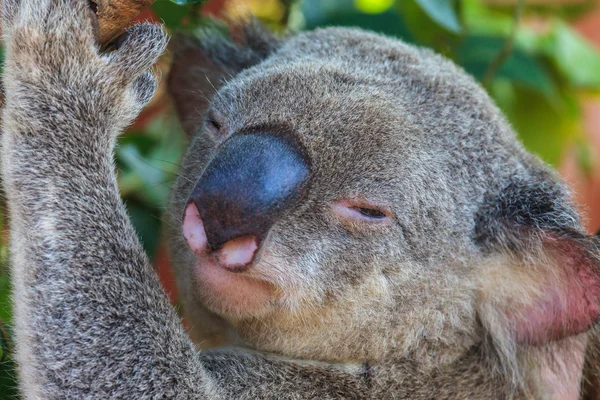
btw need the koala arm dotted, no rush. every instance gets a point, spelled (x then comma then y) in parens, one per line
(243, 374)
(91, 317)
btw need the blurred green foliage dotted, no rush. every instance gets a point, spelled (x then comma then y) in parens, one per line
(538, 83)
(538, 75)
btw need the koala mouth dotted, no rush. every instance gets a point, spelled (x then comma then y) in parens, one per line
(224, 275)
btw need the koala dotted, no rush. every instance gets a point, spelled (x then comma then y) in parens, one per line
(354, 218)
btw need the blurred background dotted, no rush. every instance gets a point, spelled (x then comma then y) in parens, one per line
(538, 59)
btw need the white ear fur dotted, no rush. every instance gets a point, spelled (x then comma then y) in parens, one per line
(547, 295)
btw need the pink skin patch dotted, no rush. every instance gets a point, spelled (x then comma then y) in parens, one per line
(569, 305)
(237, 253)
(225, 275)
(234, 255)
(193, 230)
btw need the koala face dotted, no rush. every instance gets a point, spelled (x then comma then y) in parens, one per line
(332, 204)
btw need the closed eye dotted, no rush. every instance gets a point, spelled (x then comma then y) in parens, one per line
(371, 212)
(360, 212)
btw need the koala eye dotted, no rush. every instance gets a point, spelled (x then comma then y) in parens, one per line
(371, 212)
(213, 125)
(359, 211)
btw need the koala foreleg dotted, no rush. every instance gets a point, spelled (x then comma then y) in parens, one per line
(91, 317)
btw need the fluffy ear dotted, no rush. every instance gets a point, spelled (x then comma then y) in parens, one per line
(202, 63)
(541, 281)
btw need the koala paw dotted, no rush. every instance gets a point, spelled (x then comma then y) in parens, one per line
(51, 50)
(136, 52)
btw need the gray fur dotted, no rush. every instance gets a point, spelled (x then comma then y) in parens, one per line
(399, 310)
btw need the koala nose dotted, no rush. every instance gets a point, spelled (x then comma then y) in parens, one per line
(250, 183)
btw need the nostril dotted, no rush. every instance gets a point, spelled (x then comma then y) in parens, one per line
(193, 229)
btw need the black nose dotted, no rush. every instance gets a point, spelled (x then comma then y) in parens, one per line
(252, 181)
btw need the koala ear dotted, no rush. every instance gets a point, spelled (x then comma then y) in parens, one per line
(542, 278)
(201, 64)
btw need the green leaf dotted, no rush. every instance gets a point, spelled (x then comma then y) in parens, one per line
(373, 6)
(477, 18)
(147, 222)
(8, 380)
(344, 13)
(425, 31)
(141, 174)
(576, 59)
(148, 161)
(5, 296)
(171, 14)
(543, 128)
(476, 53)
(5, 341)
(317, 13)
(442, 12)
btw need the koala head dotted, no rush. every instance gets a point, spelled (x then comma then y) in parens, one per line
(347, 196)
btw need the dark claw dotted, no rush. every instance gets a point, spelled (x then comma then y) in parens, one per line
(121, 40)
(93, 6)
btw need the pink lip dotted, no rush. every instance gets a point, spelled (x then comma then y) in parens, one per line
(237, 254)
(230, 292)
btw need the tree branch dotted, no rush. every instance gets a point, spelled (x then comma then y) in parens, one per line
(114, 15)
(507, 48)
